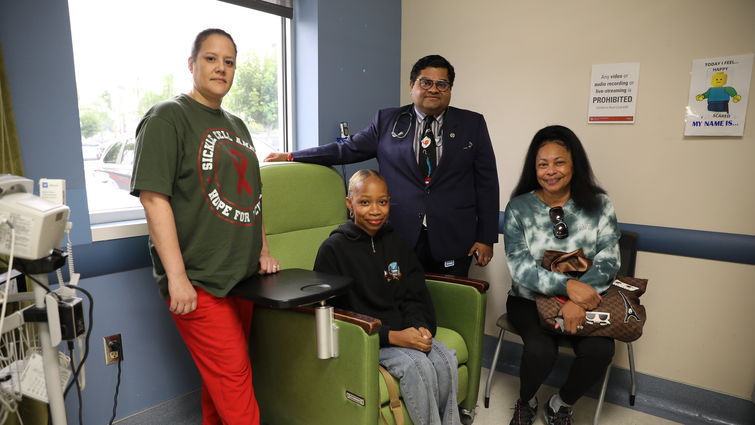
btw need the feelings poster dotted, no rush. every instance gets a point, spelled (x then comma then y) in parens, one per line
(718, 95)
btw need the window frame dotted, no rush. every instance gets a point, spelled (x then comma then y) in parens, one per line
(131, 222)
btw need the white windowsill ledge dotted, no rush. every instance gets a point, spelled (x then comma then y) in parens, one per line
(119, 230)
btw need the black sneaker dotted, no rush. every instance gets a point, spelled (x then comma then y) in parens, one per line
(562, 417)
(524, 414)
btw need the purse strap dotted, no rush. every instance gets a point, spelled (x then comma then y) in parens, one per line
(395, 403)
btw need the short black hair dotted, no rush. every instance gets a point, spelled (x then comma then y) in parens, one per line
(434, 61)
(360, 176)
(583, 186)
(202, 36)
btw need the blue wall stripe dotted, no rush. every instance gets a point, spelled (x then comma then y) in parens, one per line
(731, 247)
(113, 256)
(695, 243)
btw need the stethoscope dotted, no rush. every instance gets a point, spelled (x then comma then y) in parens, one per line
(408, 115)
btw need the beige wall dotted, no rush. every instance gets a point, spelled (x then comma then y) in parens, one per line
(527, 64)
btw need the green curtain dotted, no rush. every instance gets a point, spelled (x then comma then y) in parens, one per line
(10, 150)
(32, 411)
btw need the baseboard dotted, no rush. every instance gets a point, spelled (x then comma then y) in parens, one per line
(656, 396)
(184, 409)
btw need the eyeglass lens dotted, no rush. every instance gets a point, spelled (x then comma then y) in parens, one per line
(560, 231)
(593, 316)
(557, 214)
(440, 85)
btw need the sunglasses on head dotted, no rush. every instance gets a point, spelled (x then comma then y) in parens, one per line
(560, 231)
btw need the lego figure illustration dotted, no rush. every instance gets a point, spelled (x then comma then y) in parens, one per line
(718, 96)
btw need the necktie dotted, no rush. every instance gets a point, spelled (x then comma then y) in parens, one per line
(427, 150)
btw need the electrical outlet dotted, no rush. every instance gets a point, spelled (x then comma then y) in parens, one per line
(113, 349)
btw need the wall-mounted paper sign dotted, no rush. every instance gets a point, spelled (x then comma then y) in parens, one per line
(718, 94)
(613, 93)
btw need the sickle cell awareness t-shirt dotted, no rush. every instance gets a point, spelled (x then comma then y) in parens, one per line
(203, 159)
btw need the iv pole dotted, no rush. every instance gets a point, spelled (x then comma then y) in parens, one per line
(49, 359)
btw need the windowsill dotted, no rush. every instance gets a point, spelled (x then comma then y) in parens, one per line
(119, 230)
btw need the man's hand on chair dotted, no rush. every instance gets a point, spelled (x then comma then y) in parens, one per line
(276, 157)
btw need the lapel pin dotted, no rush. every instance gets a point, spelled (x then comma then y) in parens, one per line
(452, 135)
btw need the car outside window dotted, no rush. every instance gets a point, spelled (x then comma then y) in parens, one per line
(124, 66)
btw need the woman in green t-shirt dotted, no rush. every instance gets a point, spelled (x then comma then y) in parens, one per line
(197, 175)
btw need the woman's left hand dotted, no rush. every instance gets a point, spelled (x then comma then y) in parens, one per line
(574, 316)
(582, 294)
(268, 264)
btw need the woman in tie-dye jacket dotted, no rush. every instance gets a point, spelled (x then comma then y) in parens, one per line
(557, 205)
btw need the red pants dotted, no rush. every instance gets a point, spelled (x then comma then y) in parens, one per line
(216, 334)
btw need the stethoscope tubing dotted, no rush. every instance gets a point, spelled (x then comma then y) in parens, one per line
(402, 134)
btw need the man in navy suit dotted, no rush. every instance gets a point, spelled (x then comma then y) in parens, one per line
(440, 168)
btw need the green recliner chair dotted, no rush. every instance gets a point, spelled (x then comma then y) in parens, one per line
(302, 204)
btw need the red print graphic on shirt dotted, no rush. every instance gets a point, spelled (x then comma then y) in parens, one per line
(240, 162)
(229, 180)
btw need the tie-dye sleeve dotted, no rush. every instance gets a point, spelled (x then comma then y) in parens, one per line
(607, 258)
(525, 270)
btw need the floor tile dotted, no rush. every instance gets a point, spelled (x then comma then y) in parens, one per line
(505, 391)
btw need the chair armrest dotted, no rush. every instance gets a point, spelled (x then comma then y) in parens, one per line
(460, 305)
(369, 324)
(481, 285)
(294, 387)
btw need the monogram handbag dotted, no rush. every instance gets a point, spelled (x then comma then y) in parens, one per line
(619, 314)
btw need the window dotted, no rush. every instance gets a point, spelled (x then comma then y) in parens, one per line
(131, 55)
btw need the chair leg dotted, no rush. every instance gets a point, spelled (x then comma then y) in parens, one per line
(596, 419)
(492, 368)
(632, 375)
(467, 416)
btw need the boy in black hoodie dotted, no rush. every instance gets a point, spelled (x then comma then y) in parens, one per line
(390, 285)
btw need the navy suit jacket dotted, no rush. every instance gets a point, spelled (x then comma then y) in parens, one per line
(461, 201)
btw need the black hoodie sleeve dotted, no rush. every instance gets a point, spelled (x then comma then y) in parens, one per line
(417, 305)
(327, 262)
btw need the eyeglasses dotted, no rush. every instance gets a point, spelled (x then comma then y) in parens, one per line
(560, 231)
(440, 85)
